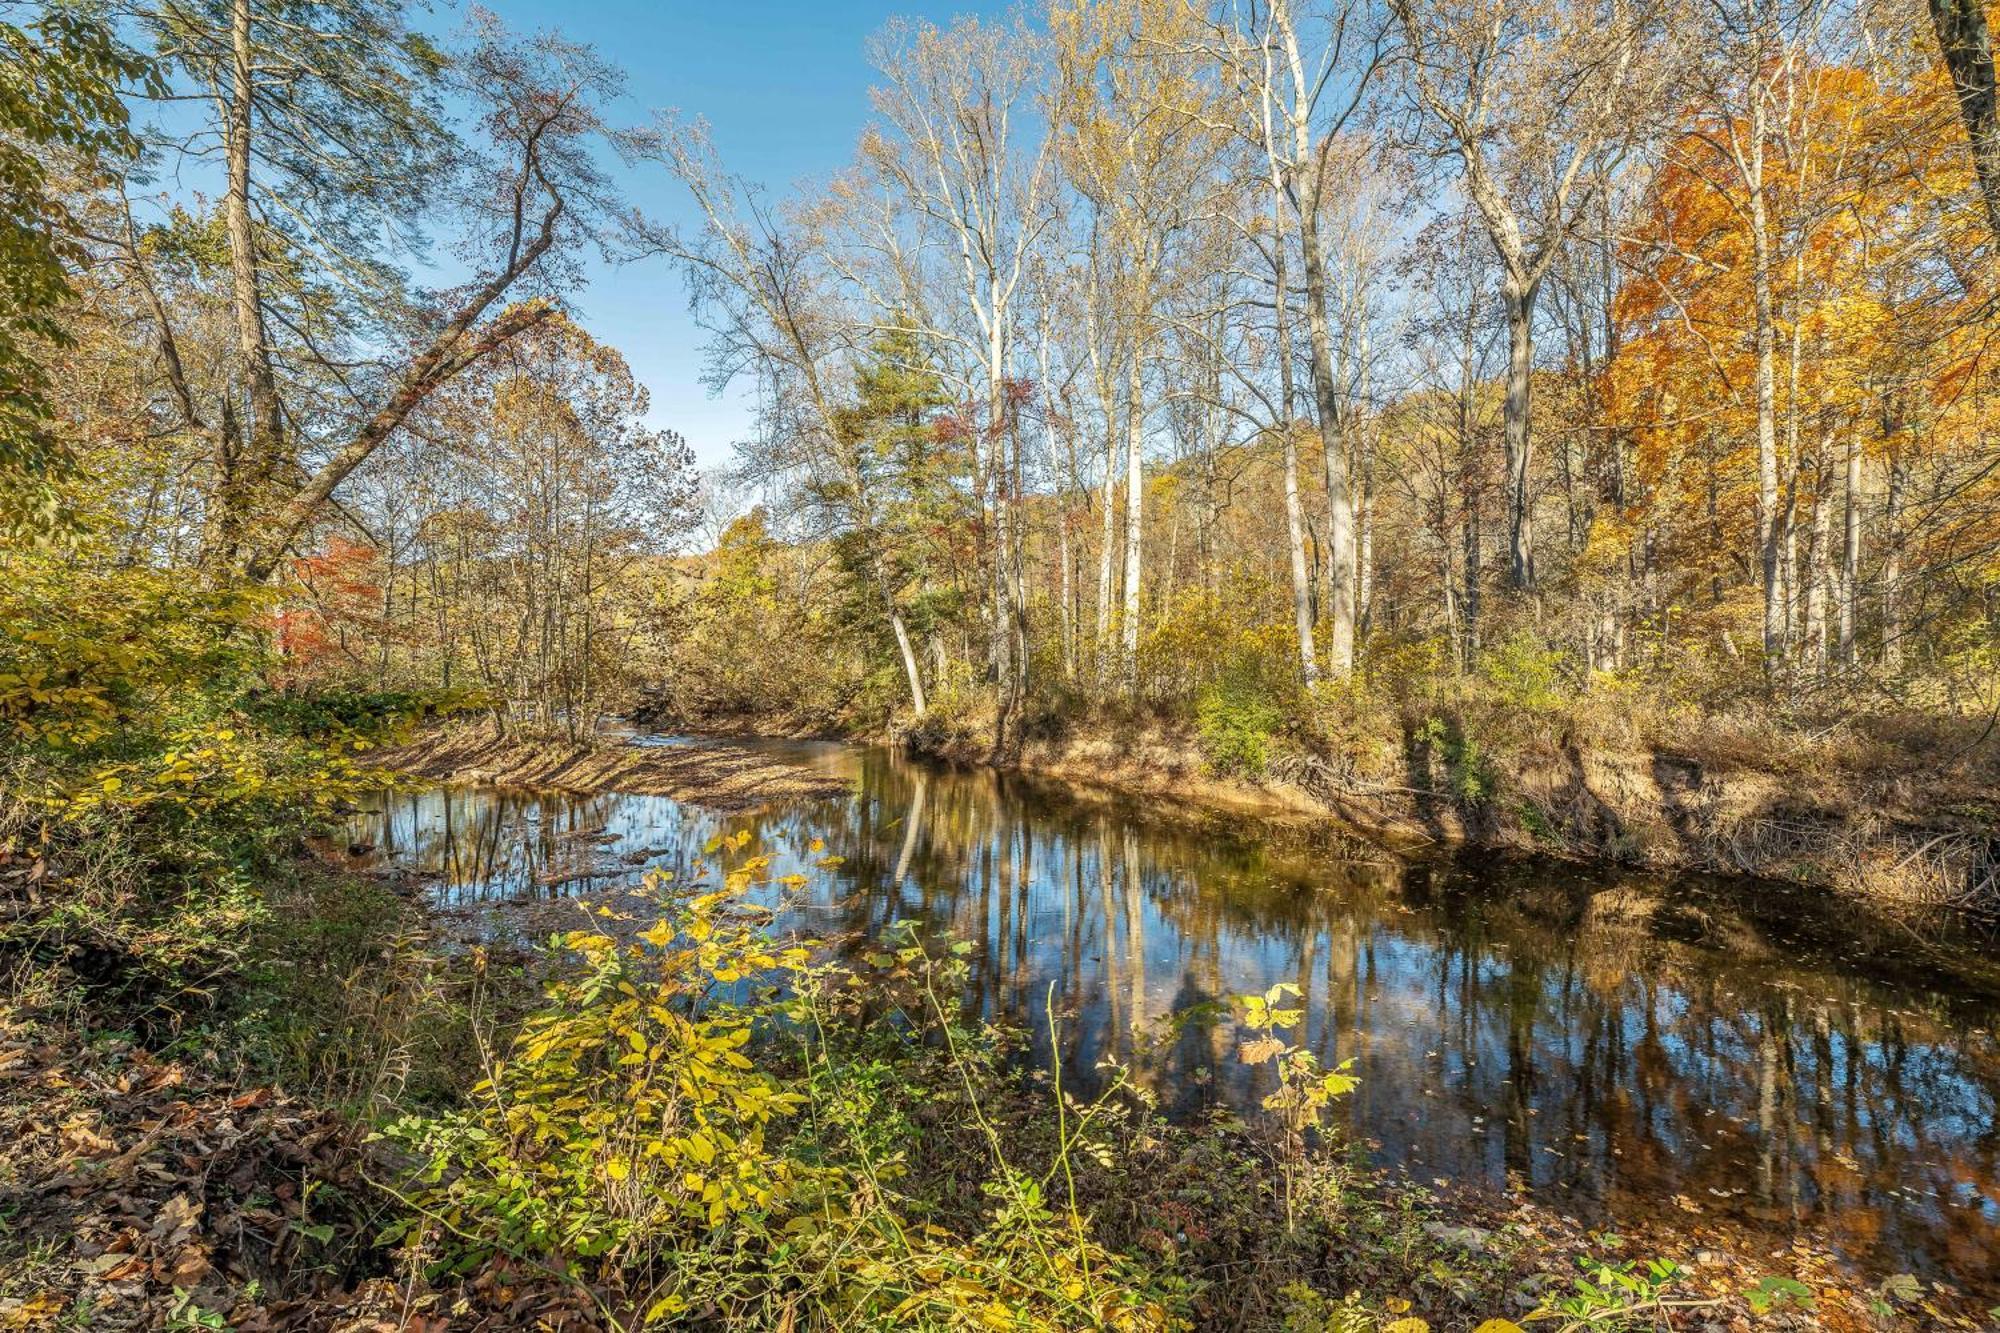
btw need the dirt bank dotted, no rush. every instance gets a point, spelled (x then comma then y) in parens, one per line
(717, 774)
(1905, 835)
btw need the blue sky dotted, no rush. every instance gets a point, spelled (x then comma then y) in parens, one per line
(784, 87)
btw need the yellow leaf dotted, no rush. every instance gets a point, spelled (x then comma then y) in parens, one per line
(617, 1169)
(1258, 1051)
(1498, 1326)
(1407, 1326)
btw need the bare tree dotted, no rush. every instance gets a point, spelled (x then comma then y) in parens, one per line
(1136, 143)
(1305, 101)
(962, 152)
(1539, 102)
(768, 297)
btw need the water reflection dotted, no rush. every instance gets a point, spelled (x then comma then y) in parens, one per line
(1618, 1044)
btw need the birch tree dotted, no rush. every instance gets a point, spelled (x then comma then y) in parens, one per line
(1134, 142)
(1306, 97)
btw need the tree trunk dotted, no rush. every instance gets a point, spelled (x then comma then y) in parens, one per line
(1108, 517)
(1000, 643)
(1517, 295)
(1068, 616)
(911, 671)
(1364, 561)
(245, 486)
(1892, 565)
(1332, 423)
(1770, 536)
(1850, 556)
(1967, 47)
(449, 353)
(1468, 483)
(1135, 508)
(1816, 573)
(1295, 525)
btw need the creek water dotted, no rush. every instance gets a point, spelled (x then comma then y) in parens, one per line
(1625, 1046)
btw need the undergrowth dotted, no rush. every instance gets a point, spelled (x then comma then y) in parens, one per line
(707, 1127)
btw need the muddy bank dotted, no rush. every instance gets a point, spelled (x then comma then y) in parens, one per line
(716, 774)
(1899, 838)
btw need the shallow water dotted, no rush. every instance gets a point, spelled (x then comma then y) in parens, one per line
(1625, 1046)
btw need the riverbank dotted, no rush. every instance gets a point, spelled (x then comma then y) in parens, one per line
(173, 1184)
(201, 1145)
(1906, 822)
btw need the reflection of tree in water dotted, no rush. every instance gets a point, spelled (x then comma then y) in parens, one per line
(1610, 1040)
(491, 844)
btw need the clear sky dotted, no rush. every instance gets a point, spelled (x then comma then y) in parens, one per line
(784, 87)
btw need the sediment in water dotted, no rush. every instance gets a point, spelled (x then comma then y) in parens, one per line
(719, 774)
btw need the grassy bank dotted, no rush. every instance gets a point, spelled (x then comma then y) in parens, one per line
(1899, 811)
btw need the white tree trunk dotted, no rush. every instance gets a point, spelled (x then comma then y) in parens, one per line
(1295, 523)
(1135, 510)
(1850, 561)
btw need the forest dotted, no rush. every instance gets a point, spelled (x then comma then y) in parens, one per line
(1545, 445)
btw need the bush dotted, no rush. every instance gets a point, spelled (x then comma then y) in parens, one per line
(1236, 725)
(1468, 775)
(1527, 673)
(638, 1142)
(145, 768)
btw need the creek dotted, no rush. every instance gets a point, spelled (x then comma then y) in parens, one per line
(1746, 1057)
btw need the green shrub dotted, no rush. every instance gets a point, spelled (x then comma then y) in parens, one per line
(1236, 723)
(1468, 775)
(1526, 672)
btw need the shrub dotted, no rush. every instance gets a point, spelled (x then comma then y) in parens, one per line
(638, 1142)
(1468, 775)
(1526, 672)
(1236, 724)
(145, 768)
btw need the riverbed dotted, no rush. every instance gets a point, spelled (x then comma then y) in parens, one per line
(1741, 1057)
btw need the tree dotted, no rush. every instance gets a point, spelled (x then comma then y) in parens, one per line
(1539, 103)
(61, 79)
(1966, 44)
(1302, 115)
(1135, 144)
(768, 297)
(329, 124)
(913, 456)
(958, 103)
